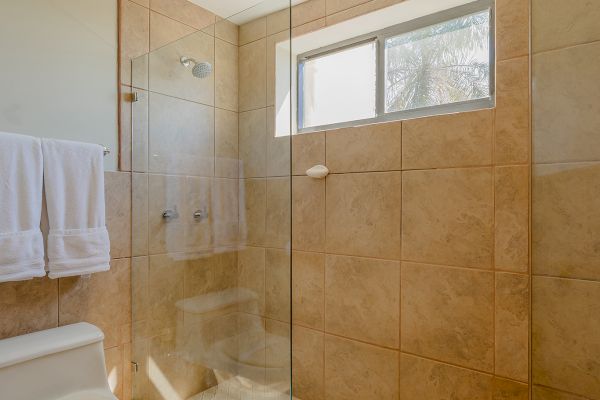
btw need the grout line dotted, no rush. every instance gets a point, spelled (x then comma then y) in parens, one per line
(565, 278)
(426, 169)
(567, 47)
(574, 162)
(583, 397)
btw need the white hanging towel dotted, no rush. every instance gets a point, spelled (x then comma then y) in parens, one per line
(78, 241)
(21, 242)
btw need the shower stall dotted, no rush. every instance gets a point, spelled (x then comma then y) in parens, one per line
(436, 254)
(212, 214)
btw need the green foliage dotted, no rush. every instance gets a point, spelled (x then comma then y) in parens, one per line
(444, 63)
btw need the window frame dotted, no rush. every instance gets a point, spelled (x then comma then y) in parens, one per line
(379, 37)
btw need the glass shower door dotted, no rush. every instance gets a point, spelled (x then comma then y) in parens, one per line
(212, 212)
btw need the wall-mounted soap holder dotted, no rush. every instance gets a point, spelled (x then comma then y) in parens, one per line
(318, 172)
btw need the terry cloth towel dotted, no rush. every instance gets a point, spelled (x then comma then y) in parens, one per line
(21, 242)
(78, 241)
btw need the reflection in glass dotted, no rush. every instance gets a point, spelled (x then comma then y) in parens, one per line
(211, 266)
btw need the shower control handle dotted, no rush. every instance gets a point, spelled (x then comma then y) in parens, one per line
(200, 215)
(170, 214)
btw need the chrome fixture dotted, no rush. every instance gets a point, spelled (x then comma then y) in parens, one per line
(170, 214)
(199, 70)
(200, 215)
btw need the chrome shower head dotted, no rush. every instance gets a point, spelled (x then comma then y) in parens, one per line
(199, 70)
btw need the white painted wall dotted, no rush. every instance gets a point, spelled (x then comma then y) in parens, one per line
(58, 70)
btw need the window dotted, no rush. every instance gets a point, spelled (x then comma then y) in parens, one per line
(436, 64)
(340, 86)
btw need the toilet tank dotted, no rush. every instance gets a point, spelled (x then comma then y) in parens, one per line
(54, 364)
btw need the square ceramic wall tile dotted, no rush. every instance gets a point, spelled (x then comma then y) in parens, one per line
(376, 147)
(253, 143)
(181, 136)
(308, 213)
(135, 33)
(558, 24)
(512, 326)
(28, 306)
(448, 314)
(104, 300)
(566, 111)
(185, 12)
(308, 364)
(226, 144)
(252, 211)
(512, 218)
(363, 214)
(566, 345)
(454, 140)
(168, 76)
(512, 117)
(358, 370)
(362, 299)
(226, 75)
(308, 289)
(512, 28)
(118, 212)
(253, 75)
(430, 380)
(566, 220)
(447, 217)
(164, 30)
(308, 150)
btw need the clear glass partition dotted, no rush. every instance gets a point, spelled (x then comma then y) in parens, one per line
(212, 211)
(566, 200)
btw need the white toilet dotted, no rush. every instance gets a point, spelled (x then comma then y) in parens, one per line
(65, 363)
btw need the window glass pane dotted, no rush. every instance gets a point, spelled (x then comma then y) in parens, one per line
(340, 86)
(444, 63)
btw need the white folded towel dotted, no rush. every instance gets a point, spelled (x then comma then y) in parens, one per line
(21, 242)
(78, 241)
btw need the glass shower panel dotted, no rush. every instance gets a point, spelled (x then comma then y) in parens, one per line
(212, 211)
(566, 200)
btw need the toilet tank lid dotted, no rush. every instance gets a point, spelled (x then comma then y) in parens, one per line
(24, 348)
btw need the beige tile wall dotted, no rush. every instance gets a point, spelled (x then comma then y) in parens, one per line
(410, 272)
(565, 220)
